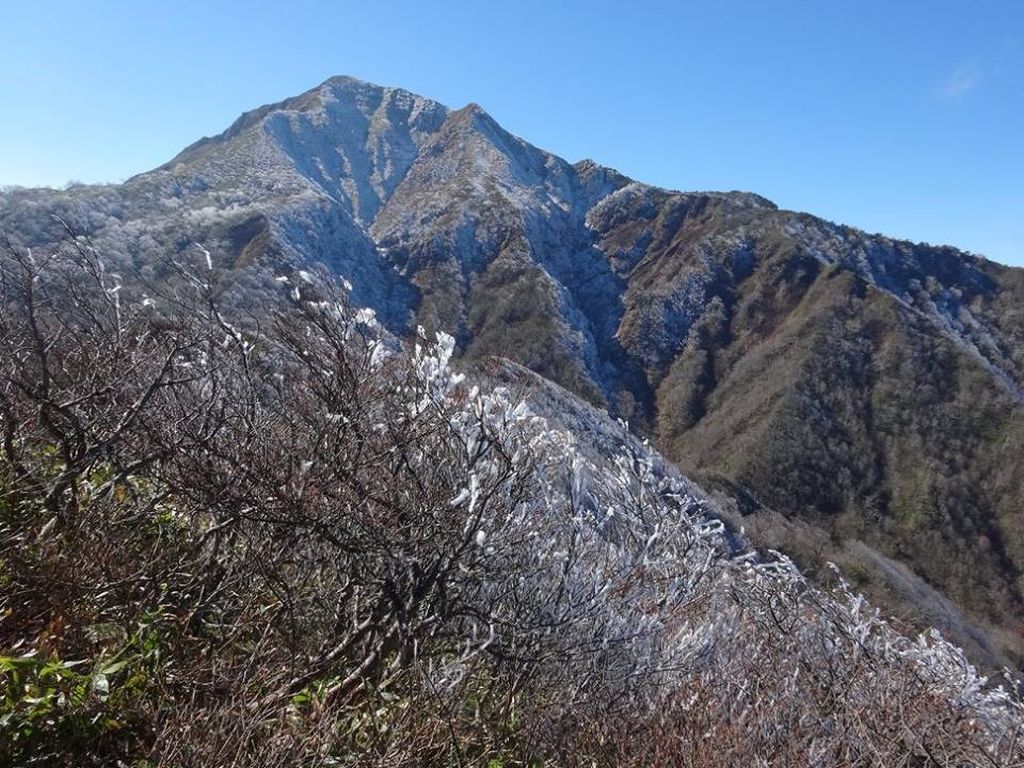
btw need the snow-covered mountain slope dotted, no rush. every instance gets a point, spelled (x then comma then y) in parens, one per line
(868, 387)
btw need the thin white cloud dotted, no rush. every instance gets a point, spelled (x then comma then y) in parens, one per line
(961, 81)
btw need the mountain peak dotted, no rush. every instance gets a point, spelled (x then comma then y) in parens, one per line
(474, 116)
(332, 106)
(347, 85)
(348, 81)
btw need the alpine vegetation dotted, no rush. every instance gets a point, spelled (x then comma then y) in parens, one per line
(285, 537)
(856, 399)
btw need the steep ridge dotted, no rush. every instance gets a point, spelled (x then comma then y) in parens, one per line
(491, 231)
(868, 388)
(868, 402)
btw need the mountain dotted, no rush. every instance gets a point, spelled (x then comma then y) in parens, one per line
(846, 396)
(298, 542)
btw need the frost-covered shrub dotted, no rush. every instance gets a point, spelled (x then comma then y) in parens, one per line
(282, 536)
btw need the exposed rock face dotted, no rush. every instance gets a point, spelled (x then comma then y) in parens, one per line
(870, 390)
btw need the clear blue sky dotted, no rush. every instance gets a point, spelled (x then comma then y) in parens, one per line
(904, 117)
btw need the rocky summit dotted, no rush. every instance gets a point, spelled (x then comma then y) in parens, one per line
(845, 397)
